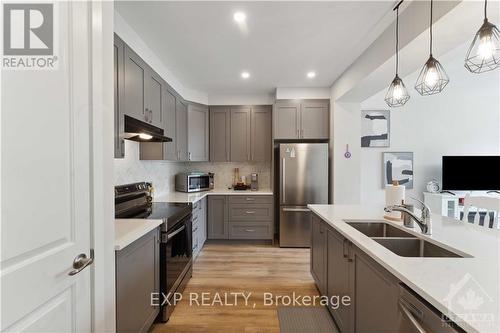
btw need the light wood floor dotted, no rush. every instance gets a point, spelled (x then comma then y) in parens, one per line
(240, 268)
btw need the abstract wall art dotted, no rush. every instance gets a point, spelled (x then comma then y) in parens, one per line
(398, 166)
(375, 128)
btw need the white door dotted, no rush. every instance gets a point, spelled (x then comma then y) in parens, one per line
(45, 180)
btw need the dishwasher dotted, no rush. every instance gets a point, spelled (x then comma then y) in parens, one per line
(418, 316)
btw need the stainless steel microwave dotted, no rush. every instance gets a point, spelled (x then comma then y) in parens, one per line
(194, 182)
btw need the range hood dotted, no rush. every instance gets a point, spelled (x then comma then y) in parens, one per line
(137, 130)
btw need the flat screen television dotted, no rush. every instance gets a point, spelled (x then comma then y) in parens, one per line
(471, 173)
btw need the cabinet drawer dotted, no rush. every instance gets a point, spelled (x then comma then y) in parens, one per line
(254, 230)
(251, 199)
(252, 212)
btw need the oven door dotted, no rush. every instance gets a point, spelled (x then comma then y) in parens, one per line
(176, 254)
(198, 183)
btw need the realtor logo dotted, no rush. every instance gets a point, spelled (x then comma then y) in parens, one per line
(28, 29)
(28, 36)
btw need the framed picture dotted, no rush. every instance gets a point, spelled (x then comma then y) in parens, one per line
(398, 166)
(375, 128)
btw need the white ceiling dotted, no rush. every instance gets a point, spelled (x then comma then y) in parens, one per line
(206, 50)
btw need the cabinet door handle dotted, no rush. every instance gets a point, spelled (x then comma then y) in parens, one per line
(150, 116)
(250, 199)
(250, 212)
(343, 248)
(81, 261)
(189, 156)
(298, 133)
(249, 230)
(146, 115)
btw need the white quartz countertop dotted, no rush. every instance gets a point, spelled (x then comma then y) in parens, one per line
(194, 197)
(129, 230)
(446, 283)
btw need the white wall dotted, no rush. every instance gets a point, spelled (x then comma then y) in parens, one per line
(303, 93)
(241, 99)
(462, 120)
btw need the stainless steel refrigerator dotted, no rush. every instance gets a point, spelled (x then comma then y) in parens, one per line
(303, 178)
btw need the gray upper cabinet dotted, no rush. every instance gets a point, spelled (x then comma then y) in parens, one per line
(181, 130)
(240, 134)
(198, 127)
(154, 98)
(307, 119)
(220, 135)
(170, 148)
(314, 120)
(217, 217)
(134, 85)
(118, 54)
(286, 120)
(261, 132)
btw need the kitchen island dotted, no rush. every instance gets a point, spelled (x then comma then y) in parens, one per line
(464, 284)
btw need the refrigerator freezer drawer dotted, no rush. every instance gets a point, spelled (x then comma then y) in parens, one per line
(295, 226)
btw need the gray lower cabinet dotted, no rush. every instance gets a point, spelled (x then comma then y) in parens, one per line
(220, 135)
(198, 127)
(374, 292)
(181, 130)
(375, 295)
(338, 278)
(306, 119)
(199, 226)
(118, 81)
(137, 276)
(240, 134)
(240, 217)
(217, 217)
(261, 134)
(318, 253)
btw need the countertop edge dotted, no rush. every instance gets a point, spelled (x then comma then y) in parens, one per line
(139, 230)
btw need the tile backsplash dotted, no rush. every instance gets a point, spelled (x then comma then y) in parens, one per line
(162, 173)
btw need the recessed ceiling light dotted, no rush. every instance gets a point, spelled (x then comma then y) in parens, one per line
(311, 74)
(239, 17)
(245, 75)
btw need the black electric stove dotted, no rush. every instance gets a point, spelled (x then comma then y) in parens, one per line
(134, 201)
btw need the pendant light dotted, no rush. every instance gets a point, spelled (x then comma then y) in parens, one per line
(432, 78)
(484, 52)
(397, 95)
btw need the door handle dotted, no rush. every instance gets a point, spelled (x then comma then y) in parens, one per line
(283, 180)
(296, 210)
(411, 318)
(171, 235)
(250, 212)
(80, 262)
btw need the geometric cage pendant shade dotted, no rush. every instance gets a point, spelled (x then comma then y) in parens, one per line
(397, 95)
(432, 78)
(484, 52)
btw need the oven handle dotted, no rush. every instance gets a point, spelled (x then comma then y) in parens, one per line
(171, 235)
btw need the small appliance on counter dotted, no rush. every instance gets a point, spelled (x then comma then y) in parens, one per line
(194, 182)
(239, 183)
(254, 182)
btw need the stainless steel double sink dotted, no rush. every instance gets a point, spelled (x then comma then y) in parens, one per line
(400, 242)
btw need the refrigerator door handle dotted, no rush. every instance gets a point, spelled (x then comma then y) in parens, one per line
(295, 210)
(283, 180)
